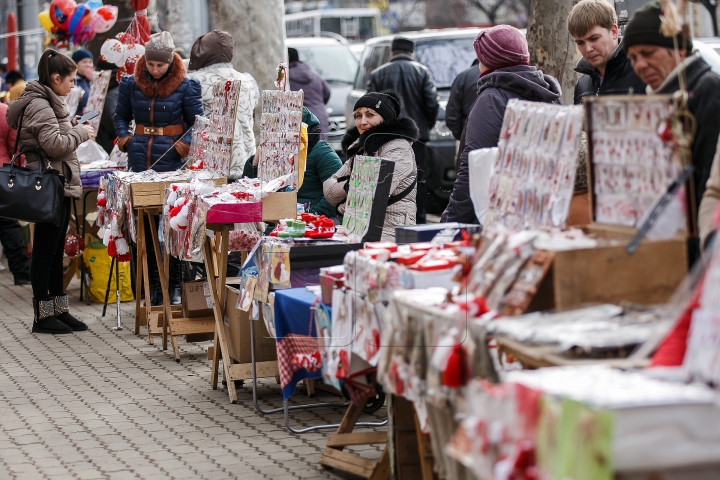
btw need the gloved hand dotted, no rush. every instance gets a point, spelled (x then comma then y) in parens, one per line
(122, 143)
(182, 148)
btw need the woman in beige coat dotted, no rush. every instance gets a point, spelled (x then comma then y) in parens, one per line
(47, 123)
(379, 132)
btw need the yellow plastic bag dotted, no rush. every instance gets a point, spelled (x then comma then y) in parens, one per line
(97, 267)
(302, 154)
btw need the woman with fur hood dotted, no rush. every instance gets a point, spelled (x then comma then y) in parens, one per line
(379, 132)
(163, 103)
(43, 119)
(210, 61)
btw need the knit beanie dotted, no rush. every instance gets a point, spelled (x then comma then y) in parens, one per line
(501, 46)
(160, 48)
(387, 104)
(644, 29)
(82, 54)
(402, 45)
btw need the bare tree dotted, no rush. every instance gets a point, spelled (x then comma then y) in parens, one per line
(491, 8)
(712, 8)
(552, 49)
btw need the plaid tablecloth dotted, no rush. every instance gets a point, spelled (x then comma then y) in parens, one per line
(295, 334)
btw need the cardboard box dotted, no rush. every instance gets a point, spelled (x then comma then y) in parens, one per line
(279, 205)
(194, 302)
(236, 326)
(328, 283)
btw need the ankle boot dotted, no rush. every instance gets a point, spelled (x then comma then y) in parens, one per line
(45, 321)
(62, 313)
(175, 281)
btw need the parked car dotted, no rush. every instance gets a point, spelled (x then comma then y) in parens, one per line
(709, 50)
(712, 42)
(446, 53)
(335, 63)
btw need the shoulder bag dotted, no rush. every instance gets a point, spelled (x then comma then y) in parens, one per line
(30, 195)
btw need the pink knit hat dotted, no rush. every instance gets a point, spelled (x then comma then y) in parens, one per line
(501, 46)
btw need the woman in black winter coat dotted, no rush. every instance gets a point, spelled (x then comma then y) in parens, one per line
(504, 74)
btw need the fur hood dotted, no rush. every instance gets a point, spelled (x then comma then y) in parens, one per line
(371, 141)
(164, 86)
(35, 90)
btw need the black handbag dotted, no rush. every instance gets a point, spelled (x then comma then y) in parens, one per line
(30, 195)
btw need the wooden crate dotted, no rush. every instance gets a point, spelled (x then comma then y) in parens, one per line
(152, 194)
(609, 274)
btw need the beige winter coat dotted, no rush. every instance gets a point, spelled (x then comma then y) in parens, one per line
(46, 122)
(398, 150)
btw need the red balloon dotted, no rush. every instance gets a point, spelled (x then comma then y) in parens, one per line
(61, 11)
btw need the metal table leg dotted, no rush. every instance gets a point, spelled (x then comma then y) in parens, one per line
(107, 289)
(117, 296)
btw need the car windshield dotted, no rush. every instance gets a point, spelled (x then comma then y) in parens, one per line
(334, 63)
(446, 58)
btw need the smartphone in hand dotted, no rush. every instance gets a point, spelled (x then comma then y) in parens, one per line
(87, 117)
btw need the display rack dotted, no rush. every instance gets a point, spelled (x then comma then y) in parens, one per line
(165, 320)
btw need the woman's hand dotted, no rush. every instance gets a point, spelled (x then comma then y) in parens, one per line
(90, 130)
(182, 148)
(122, 143)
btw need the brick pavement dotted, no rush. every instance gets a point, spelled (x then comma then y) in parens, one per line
(106, 405)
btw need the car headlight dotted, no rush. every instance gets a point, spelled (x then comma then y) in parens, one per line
(440, 131)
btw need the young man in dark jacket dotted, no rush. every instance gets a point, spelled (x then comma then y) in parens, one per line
(414, 82)
(605, 68)
(463, 94)
(504, 75)
(658, 64)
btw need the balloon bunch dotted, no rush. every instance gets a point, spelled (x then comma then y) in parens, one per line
(70, 23)
(124, 52)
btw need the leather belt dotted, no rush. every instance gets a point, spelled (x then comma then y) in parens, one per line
(168, 130)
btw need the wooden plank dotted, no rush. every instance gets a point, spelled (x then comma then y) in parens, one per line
(189, 326)
(425, 451)
(347, 462)
(140, 316)
(218, 312)
(243, 371)
(382, 467)
(151, 194)
(348, 439)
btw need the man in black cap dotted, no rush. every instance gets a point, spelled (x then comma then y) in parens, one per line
(413, 81)
(657, 62)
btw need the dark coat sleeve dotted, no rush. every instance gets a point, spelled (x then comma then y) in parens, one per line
(326, 165)
(249, 170)
(123, 109)
(430, 104)
(707, 106)
(453, 110)
(483, 131)
(325, 91)
(192, 106)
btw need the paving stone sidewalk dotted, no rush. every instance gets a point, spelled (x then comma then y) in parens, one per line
(106, 405)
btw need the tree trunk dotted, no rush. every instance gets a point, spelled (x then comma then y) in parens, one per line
(552, 49)
(259, 33)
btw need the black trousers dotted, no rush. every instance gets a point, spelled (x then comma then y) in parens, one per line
(18, 260)
(46, 268)
(419, 151)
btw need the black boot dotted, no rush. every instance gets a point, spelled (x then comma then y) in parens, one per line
(175, 281)
(62, 313)
(45, 321)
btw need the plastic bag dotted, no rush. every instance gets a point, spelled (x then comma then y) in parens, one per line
(480, 164)
(90, 151)
(97, 265)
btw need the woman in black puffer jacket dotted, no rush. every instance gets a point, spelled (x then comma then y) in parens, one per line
(163, 104)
